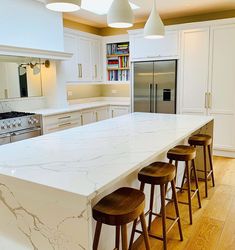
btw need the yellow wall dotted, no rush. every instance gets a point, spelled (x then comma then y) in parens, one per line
(185, 19)
(104, 90)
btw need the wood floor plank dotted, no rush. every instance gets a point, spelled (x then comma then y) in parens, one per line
(206, 235)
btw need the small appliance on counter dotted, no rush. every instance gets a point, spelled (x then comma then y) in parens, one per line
(17, 126)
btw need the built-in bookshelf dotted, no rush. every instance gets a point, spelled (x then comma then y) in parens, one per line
(118, 65)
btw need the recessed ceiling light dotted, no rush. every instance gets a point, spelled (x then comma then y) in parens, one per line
(101, 7)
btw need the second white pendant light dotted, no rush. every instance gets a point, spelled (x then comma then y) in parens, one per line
(154, 27)
(63, 5)
(120, 14)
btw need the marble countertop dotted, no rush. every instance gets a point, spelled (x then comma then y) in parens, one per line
(88, 159)
(78, 107)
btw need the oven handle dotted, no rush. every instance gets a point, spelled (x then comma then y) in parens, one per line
(25, 131)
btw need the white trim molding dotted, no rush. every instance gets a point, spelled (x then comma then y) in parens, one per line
(30, 52)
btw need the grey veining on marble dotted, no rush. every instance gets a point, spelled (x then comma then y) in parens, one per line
(85, 160)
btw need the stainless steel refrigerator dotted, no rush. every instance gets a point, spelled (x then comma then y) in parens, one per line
(154, 86)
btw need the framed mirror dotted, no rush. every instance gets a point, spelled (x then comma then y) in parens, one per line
(20, 77)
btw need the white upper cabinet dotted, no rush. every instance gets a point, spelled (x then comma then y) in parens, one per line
(222, 85)
(96, 61)
(85, 65)
(194, 69)
(71, 66)
(84, 59)
(142, 48)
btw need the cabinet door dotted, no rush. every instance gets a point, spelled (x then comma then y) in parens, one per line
(222, 85)
(194, 70)
(118, 111)
(87, 117)
(101, 114)
(71, 65)
(84, 59)
(147, 48)
(96, 60)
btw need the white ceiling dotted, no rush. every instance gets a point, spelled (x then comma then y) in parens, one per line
(166, 8)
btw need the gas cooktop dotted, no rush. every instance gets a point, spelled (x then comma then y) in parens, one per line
(13, 114)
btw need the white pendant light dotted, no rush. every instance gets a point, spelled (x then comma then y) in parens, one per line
(63, 5)
(120, 14)
(154, 27)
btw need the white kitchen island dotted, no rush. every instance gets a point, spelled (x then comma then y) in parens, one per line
(49, 184)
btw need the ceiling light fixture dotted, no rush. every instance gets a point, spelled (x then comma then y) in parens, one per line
(63, 5)
(120, 14)
(154, 27)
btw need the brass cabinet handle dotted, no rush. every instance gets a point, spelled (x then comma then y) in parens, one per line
(206, 100)
(65, 117)
(96, 115)
(65, 124)
(81, 119)
(95, 71)
(209, 100)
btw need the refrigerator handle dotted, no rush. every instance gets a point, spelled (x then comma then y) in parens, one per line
(155, 98)
(150, 95)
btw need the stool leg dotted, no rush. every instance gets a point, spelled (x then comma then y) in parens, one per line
(183, 180)
(145, 232)
(197, 186)
(124, 237)
(163, 196)
(142, 184)
(117, 239)
(177, 208)
(151, 207)
(97, 235)
(205, 171)
(189, 192)
(211, 165)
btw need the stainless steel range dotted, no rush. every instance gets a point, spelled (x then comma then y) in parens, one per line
(16, 126)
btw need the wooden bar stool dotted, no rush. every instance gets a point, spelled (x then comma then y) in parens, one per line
(159, 173)
(204, 141)
(118, 209)
(186, 154)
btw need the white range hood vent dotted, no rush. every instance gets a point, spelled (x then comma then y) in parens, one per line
(35, 53)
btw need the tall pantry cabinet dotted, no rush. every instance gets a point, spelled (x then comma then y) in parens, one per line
(208, 79)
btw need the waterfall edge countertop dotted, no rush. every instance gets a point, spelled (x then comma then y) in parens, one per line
(86, 160)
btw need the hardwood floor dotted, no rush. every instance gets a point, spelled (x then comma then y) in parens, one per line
(214, 224)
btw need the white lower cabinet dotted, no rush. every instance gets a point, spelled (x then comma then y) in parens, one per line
(87, 117)
(60, 122)
(54, 123)
(116, 111)
(102, 114)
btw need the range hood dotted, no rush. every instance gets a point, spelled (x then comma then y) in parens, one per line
(36, 53)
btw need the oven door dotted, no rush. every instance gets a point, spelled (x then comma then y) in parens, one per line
(5, 139)
(25, 134)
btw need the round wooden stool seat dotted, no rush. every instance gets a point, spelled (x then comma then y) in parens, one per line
(182, 153)
(120, 207)
(200, 140)
(157, 173)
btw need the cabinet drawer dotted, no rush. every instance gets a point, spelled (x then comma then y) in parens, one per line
(61, 121)
(116, 111)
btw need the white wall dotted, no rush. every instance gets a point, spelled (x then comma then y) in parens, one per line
(27, 23)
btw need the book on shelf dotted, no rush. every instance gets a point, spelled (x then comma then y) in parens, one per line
(118, 75)
(117, 48)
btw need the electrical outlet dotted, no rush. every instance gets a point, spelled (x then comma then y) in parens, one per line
(114, 91)
(70, 93)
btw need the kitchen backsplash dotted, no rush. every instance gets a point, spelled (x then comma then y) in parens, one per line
(22, 104)
(101, 90)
